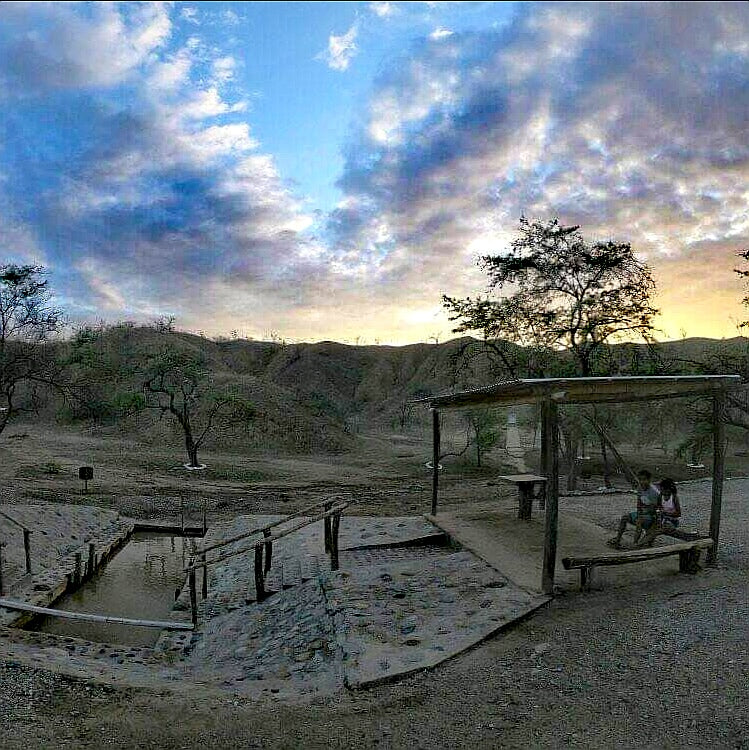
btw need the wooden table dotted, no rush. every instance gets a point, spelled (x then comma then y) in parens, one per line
(526, 484)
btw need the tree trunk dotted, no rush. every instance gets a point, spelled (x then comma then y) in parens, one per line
(192, 448)
(606, 467)
(571, 439)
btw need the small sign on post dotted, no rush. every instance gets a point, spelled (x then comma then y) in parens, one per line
(85, 473)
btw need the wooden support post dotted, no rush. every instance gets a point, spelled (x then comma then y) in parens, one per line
(334, 542)
(544, 464)
(259, 581)
(551, 471)
(91, 559)
(205, 577)
(525, 500)
(205, 516)
(326, 523)
(435, 458)
(719, 458)
(586, 578)
(268, 550)
(182, 514)
(2, 589)
(193, 596)
(78, 566)
(27, 548)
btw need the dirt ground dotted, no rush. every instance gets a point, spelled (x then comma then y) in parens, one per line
(653, 666)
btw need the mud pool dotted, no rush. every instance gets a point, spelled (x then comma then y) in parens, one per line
(139, 582)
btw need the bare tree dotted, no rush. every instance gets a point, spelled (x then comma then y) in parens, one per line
(27, 319)
(178, 383)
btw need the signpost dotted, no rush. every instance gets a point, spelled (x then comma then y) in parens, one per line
(85, 473)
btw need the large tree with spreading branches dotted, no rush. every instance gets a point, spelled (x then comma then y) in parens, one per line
(551, 293)
(552, 290)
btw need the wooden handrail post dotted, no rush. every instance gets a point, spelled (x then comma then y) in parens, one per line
(334, 542)
(205, 577)
(182, 514)
(193, 598)
(205, 516)
(91, 559)
(27, 548)
(268, 550)
(328, 545)
(435, 458)
(259, 581)
(2, 589)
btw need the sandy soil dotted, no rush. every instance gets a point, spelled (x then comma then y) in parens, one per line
(652, 666)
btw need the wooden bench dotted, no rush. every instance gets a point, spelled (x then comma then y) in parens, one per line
(689, 553)
(527, 493)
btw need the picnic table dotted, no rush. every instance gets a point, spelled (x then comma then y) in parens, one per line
(527, 491)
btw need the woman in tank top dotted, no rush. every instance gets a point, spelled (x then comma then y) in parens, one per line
(667, 514)
(669, 510)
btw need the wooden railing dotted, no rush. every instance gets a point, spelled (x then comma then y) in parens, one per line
(263, 549)
(327, 504)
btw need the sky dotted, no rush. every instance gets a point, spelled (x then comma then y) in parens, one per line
(326, 171)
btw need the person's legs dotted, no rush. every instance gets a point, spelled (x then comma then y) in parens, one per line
(643, 523)
(653, 532)
(617, 540)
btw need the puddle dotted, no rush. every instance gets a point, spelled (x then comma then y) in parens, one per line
(139, 582)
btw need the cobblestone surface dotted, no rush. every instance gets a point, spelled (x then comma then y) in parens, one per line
(402, 615)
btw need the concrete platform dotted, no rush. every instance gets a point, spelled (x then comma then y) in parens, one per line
(515, 548)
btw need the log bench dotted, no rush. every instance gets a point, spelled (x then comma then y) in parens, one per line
(527, 492)
(689, 553)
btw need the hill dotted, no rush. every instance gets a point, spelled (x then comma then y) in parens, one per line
(318, 396)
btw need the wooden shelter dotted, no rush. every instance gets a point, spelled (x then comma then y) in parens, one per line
(550, 393)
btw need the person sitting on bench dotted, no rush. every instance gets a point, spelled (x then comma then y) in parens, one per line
(648, 498)
(668, 511)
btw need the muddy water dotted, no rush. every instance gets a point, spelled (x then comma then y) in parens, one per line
(139, 581)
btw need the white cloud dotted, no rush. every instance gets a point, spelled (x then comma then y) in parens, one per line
(440, 33)
(171, 74)
(341, 50)
(223, 69)
(383, 9)
(65, 49)
(190, 15)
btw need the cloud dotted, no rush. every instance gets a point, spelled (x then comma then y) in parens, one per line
(341, 50)
(61, 48)
(626, 118)
(383, 10)
(135, 178)
(440, 33)
(190, 15)
(129, 165)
